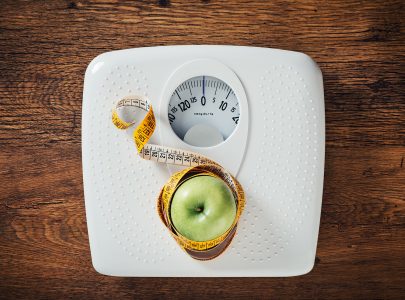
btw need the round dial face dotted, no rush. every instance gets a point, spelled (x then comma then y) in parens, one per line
(203, 111)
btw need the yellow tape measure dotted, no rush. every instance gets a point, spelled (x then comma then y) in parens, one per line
(196, 164)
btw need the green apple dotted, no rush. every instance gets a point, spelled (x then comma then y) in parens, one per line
(202, 208)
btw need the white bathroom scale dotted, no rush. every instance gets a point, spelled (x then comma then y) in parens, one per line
(258, 112)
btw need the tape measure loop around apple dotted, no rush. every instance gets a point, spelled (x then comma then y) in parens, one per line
(197, 165)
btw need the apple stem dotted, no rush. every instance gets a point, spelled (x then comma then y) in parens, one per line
(198, 209)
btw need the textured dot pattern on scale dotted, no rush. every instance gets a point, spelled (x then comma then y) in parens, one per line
(117, 202)
(289, 132)
(272, 221)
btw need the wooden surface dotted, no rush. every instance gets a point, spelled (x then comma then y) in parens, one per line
(45, 47)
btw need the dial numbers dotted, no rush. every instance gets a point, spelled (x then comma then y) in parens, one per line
(203, 100)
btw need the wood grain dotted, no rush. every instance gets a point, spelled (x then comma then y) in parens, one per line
(45, 47)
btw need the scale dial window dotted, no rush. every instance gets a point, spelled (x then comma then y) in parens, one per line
(203, 111)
